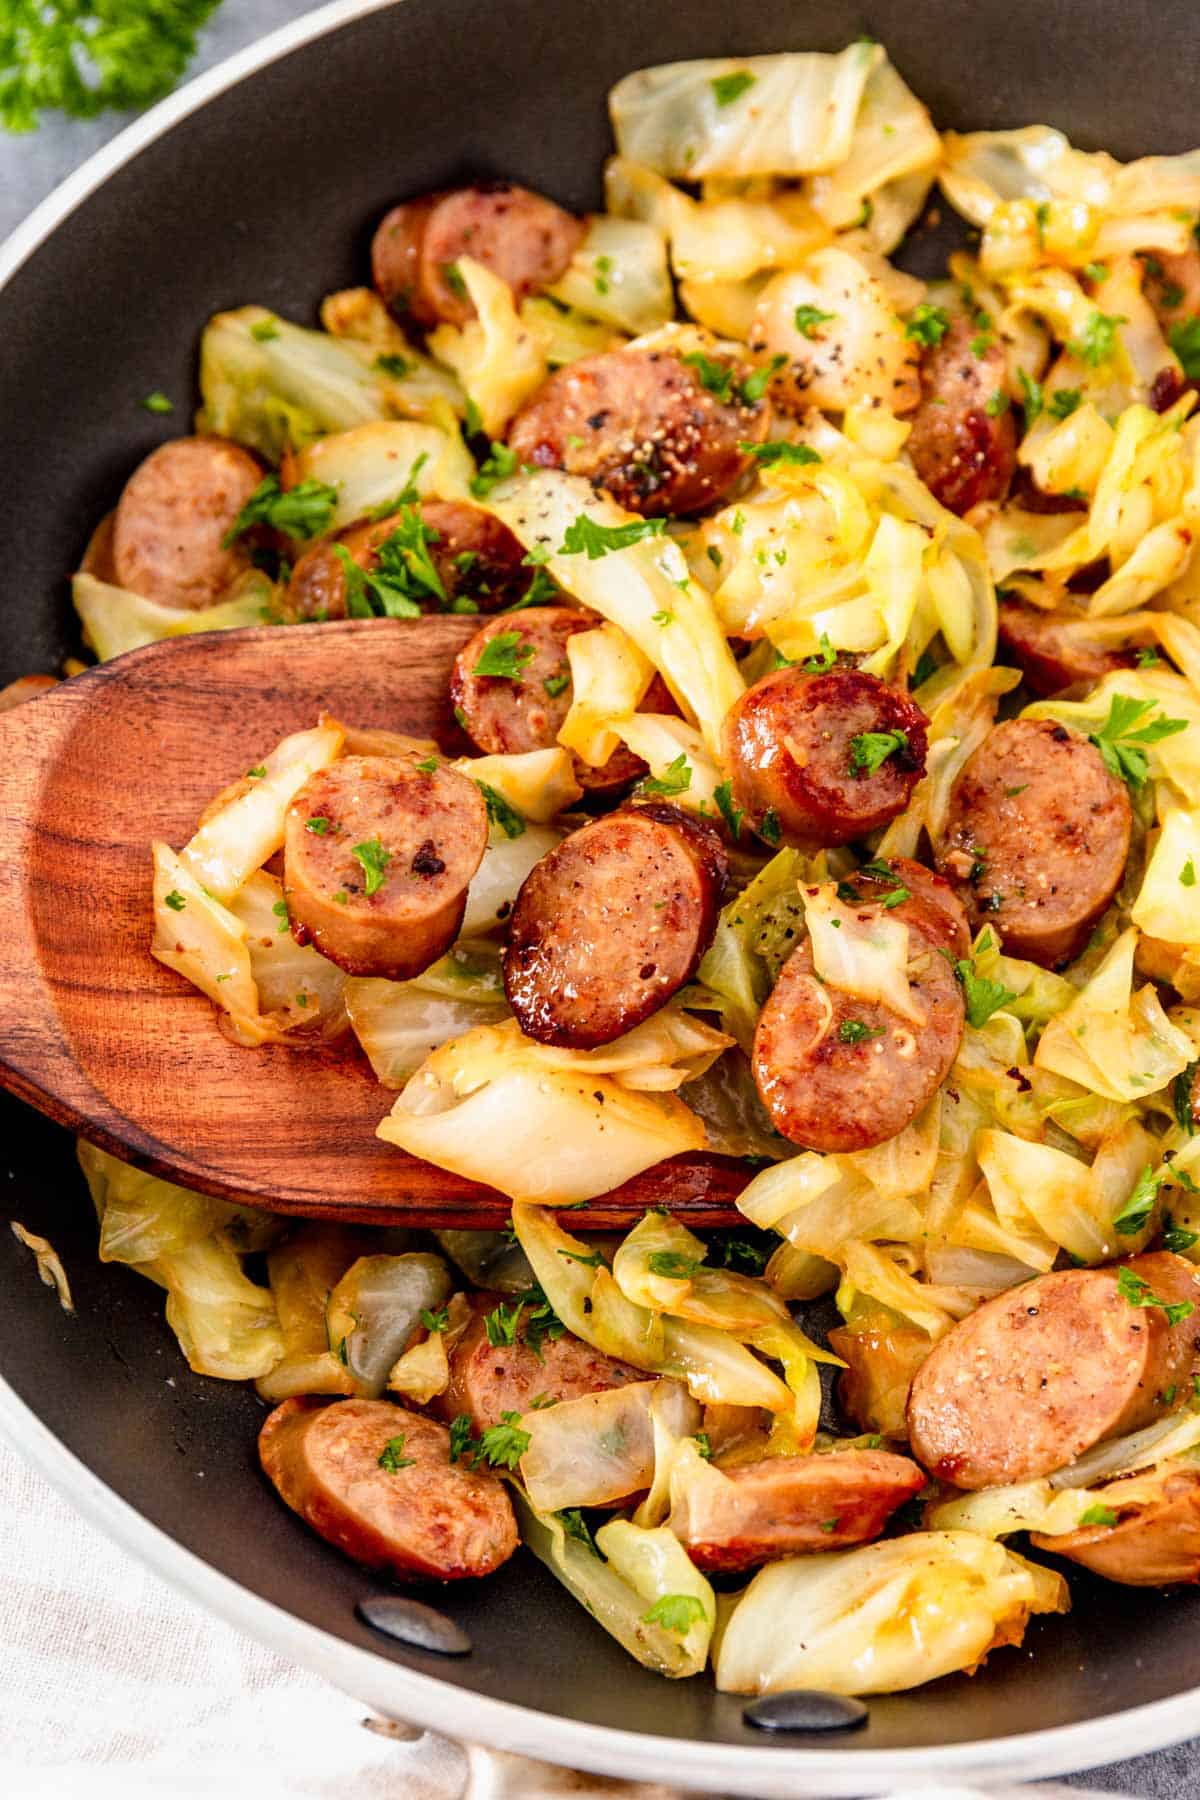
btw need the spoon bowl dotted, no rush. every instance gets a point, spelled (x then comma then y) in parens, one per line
(105, 1040)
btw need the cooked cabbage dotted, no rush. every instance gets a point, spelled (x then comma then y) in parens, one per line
(374, 1312)
(495, 355)
(1166, 907)
(535, 784)
(373, 465)
(609, 677)
(296, 985)
(417, 387)
(629, 585)
(860, 951)
(756, 932)
(760, 115)
(225, 1324)
(859, 353)
(641, 1587)
(1111, 1040)
(115, 619)
(539, 1124)
(274, 386)
(619, 274)
(600, 1447)
(882, 1618)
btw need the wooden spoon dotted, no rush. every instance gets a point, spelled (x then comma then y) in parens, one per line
(101, 1037)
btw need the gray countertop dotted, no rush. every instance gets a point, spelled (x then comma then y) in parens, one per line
(30, 166)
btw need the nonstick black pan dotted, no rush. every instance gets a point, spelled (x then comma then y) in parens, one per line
(262, 182)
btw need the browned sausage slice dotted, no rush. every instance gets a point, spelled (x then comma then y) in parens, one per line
(800, 747)
(1155, 1542)
(963, 442)
(1055, 650)
(1036, 838)
(793, 1506)
(172, 518)
(611, 924)
(478, 560)
(523, 238)
(930, 902)
(378, 855)
(1041, 1373)
(839, 1073)
(504, 714)
(489, 1379)
(423, 1517)
(643, 425)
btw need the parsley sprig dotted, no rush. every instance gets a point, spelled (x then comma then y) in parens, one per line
(1126, 728)
(82, 57)
(869, 750)
(583, 537)
(505, 656)
(1137, 1292)
(303, 511)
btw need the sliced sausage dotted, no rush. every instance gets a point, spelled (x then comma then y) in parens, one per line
(1055, 650)
(526, 240)
(792, 1506)
(423, 1517)
(612, 923)
(963, 442)
(642, 424)
(172, 519)
(502, 714)
(378, 855)
(478, 560)
(839, 1073)
(880, 1365)
(1155, 1541)
(487, 1380)
(1041, 1373)
(1036, 838)
(796, 745)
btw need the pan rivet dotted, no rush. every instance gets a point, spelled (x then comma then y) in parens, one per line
(806, 1709)
(412, 1622)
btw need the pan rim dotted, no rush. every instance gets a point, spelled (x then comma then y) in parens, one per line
(426, 1700)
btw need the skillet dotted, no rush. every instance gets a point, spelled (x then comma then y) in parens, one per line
(262, 182)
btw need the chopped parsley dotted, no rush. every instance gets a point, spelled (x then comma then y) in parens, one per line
(703, 1445)
(672, 1265)
(1148, 657)
(396, 366)
(1098, 1515)
(556, 684)
(766, 455)
(502, 1445)
(428, 767)
(373, 859)
(676, 778)
(1185, 342)
(452, 275)
(768, 826)
(175, 900)
(504, 1325)
(319, 825)
(927, 665)
(1097, 341)
(1096, 271)
(505, 657)
(1124, 730)
(996, 404)
(1136, 1211)
(499, 811)
(717, 377)
(1181, 1098)
(1187, 875)
(824, 659)
(583, 537)
(927, 325)
(675, 1612)
(461, 1438)
(303, 511)
(662, 619)
(1137, 1292)
(755, 386)
(435, 1321)
(732, 815)
(498, 465)
(869, 750)
(809, 318)
(1177, 1237)
(853, 1031)
(591, 1259)
(603, 267)
(392, 1457)
(1031, 396)
(576, 1527)
(280, 909)
(728, 88)
(1063, 402)
(157, 402)
(982, 996)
